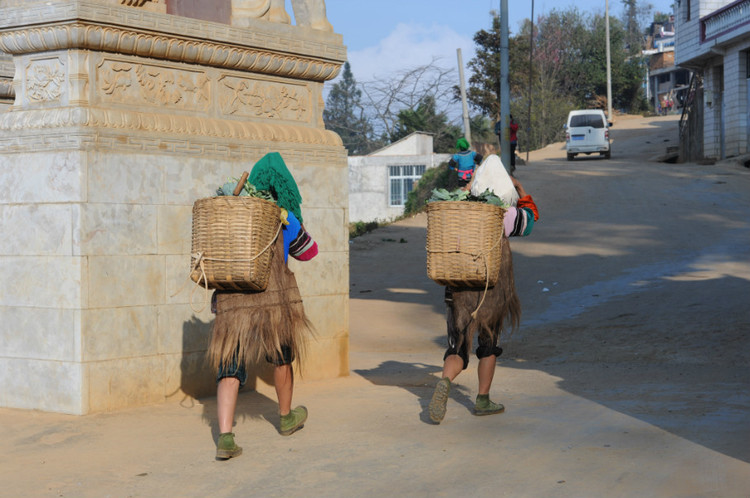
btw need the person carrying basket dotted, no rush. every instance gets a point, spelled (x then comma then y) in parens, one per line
(499, 304)
(268, 325)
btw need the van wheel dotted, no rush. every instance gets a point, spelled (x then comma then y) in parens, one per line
(571, 156)
(608, 154)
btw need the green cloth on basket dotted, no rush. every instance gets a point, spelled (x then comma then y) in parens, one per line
(271, 173)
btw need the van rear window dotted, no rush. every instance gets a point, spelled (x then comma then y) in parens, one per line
(592, 120)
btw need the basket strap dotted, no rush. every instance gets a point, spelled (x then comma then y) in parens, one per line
(198, 265)
(483, 255)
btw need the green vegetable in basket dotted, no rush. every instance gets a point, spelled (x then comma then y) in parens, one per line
(441, 194)
(247, 190)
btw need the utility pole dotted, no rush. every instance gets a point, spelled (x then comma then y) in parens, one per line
(467, 123)
(531, 82)
(609, 70)
(504, 87)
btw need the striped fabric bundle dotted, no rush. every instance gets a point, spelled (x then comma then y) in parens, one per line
(297, 241)
(519, 221)
(303, 247)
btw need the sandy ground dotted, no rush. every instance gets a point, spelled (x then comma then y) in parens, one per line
(628, 377)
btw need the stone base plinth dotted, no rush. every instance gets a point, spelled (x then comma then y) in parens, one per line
(121, 119)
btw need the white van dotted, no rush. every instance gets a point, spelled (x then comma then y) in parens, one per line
(587, 132)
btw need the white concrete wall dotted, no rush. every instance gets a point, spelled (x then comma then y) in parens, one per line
(712, 112)
(417, 144)
(688, 46)
(369, 184)
(735, 94)
(725, 127)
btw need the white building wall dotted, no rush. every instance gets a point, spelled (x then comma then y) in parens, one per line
(416, 143)
(712, 112)
(722, 62)
(733, 126)
(688, 34)
(687, 46)
(369, 184)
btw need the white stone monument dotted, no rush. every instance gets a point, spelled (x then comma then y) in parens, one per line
(122, 116)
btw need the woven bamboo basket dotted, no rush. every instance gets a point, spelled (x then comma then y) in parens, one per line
(464, 243)
(233, 242)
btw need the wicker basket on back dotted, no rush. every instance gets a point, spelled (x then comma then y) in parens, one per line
(464, 242)
(233, 242)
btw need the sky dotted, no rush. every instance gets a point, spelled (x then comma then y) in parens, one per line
(384, 36)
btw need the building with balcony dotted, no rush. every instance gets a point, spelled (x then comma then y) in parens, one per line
(666, 82)
(713, 41)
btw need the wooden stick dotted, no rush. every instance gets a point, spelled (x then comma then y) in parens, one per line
(241, 183)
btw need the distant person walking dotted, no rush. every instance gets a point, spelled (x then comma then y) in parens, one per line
(513, 142)
(464, 162)
(513, 129)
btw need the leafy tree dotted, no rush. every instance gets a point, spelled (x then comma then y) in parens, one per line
(345, 115)
(426, 118)
(633, 35)
(483, 92)
(482, 129)
(568, 71)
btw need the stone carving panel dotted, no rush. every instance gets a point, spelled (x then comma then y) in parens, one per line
(128, 42)
(307, 13)
(45, 80)
(137, 3)
(262, 99)
(151, 85)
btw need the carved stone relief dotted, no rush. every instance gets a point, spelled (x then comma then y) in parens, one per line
(153, 5)
(7, 71)
(137, 3)
(145, 84)
(252, 98)
(45, 80)
(128, 42)
(307, 13)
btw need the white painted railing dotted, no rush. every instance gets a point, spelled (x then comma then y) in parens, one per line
(726, 19)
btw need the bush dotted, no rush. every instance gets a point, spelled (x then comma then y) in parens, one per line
(440, 177)
(361, 227)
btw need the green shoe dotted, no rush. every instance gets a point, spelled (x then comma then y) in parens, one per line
(226, 447)
(439, 400)
(293, 421)
(484, 406)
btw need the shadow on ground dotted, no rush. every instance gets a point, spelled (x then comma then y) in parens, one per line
(418, 379)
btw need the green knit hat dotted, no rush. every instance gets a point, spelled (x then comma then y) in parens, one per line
(462, 144)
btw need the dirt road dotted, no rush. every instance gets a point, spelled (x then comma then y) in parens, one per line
(629, 377)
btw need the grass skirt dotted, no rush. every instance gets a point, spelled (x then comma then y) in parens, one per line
(254, 325)
(501, 304)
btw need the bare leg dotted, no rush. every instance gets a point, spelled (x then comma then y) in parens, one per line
(453, 366)
(226, 401)
(283, 379)
(486, 372)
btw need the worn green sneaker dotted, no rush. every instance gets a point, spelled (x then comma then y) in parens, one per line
(293, 421)
(226, 447)
(439, 400)
(484, 406)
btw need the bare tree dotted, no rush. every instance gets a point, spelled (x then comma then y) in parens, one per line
(385, 97)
